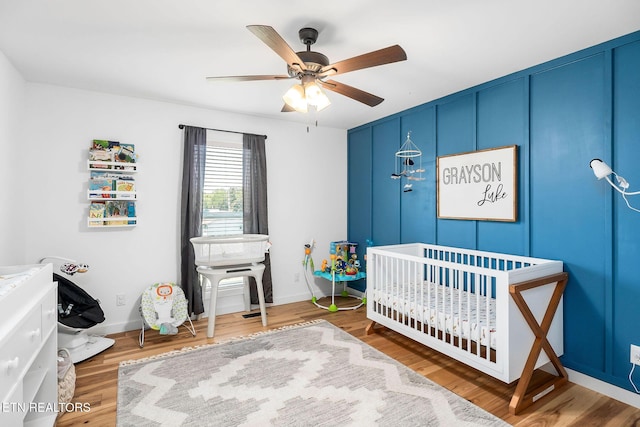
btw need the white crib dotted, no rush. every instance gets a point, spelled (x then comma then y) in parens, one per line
(457, 301)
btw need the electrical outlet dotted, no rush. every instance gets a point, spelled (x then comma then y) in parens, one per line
(635, 354)
(296, 277)
(121, 300)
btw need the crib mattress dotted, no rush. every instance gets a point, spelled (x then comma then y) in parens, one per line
(443, 308)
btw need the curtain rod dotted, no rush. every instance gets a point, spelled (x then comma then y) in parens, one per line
(181, 126)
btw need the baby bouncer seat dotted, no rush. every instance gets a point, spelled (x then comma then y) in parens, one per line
(77, 312)
(164, 308)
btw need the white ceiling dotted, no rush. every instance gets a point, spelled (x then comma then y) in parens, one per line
(164, 49)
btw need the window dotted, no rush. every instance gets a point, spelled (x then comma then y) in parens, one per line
(222, 198)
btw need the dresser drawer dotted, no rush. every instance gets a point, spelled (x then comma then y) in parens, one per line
(49, 311)
(18, 348)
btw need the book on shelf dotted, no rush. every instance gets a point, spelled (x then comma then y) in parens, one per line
(125, 153)
(98, 185)
(98, 156)
(103, 184)
(122, 213)
(103, 150)
(104, 145)
(131, 213)
(125, 186)
(96, 212)
(116, 209)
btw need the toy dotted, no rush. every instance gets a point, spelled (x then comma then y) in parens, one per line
(342, 266)
(307, 263)
(353, 266)
(307, 254)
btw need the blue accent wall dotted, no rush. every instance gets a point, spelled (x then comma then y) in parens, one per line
(560, 114)
(359, 188)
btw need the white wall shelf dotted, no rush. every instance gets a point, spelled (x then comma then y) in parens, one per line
(131, 221)
(111, 195)
(118, 167)
(112, 186)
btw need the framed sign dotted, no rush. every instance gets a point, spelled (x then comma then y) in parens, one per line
(480, 185)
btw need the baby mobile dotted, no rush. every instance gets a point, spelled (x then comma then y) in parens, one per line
(405, 161)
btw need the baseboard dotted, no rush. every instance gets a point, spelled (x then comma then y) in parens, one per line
(294, 298)
(609, 390)
(114, 328)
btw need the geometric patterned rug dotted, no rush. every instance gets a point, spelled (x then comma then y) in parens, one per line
(313, 374)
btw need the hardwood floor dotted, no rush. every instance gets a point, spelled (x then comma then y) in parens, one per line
(574, 405)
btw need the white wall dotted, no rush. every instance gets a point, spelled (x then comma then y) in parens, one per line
(306, 179)
(12, 89)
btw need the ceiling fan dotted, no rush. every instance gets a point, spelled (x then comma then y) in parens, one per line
(313, 70)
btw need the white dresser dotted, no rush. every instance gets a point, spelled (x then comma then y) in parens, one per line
(28, 346)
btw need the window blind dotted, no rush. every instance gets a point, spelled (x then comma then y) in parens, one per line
(222, 198)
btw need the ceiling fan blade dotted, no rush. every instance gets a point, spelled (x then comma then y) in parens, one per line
(372, 59)
(272, 39)
(246, 78)
(351, 92)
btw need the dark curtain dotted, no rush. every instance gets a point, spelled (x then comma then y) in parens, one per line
(256, 220)
(195, 150)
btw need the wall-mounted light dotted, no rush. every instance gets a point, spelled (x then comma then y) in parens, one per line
(603, 170)
(307, 93)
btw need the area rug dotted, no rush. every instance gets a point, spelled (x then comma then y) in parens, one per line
(313, 374)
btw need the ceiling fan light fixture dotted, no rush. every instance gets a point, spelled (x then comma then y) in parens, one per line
(315, 96)
(312, 92)
(301, 96)
(295, 98)
(321, 102)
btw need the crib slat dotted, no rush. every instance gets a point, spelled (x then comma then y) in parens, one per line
(487, 317)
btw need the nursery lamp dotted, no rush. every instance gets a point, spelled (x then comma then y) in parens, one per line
(603, 170)
(300, 96)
